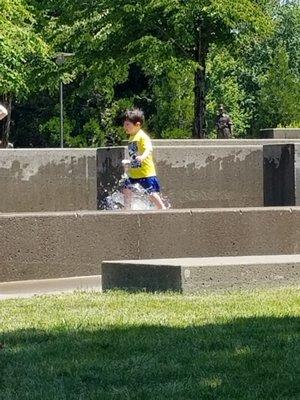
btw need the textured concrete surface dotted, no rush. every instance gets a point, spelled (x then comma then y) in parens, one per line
(57, 245)
(191, 275)
(297, 174)
(9, 290)
(211, 176)
(281, 133)
(220, 142)
(109, 171)
(198, 176)
(79, 179)
(47, 179)
(279, 175)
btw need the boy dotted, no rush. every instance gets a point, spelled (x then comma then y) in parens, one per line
(141, 169)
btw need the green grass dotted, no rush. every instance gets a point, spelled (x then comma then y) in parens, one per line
(239, 345)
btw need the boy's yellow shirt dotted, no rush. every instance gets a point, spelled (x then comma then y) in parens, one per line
(137, 144)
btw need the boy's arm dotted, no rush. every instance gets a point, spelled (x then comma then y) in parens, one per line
(143, 157)
(147, 151)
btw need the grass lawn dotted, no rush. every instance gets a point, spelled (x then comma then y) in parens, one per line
(237, 345)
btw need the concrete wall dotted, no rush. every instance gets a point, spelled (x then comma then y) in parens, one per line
(109, 171)
(282, 175)
(48, 179)
(218, 176)
(198, 176)
(281, 133)
(55, 245)
(279, 175)
(297, 175)
(221, 142)
(228, 176)
(74, 179)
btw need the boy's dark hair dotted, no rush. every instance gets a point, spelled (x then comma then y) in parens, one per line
(134, 115)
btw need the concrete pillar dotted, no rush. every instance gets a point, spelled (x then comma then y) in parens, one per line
(297, 174)
(279, 175)
(109, 171)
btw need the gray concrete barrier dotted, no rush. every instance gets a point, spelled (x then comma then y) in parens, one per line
(297, 174)
(109, 172)
(279, 175)
(193, 275)
(48, 179)
(281, 133)
(191, 176)
(198, 176)
(59, 245)
(282, 174)
(227, 176)
(221, 142)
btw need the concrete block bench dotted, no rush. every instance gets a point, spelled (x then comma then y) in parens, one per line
(192, 275)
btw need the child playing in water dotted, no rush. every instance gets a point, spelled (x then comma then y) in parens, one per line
(141, 168)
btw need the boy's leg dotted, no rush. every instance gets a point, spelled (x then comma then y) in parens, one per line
(156, 200)
(127, 193)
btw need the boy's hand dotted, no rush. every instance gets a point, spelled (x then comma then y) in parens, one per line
(139, 159)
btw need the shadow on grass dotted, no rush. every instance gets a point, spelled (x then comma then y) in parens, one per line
(255, 358)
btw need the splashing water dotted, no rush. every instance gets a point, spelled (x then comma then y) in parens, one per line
(140, 199)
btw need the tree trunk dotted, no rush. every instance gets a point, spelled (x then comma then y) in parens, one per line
(199, 130)
(7, 102)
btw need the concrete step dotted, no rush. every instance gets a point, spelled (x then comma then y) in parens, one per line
(192, 275)
(35, 287)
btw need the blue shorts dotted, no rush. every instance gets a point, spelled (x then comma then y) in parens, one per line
(151, 183)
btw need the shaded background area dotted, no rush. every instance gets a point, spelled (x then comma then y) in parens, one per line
(247, 358)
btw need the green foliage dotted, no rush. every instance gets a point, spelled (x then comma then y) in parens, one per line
(51, 130)
(176, 133)
(280, 93)
(288, 33)
(173, 99)
(109, 36)
(155, 42)
(224, 88)
(94, 135)
(91, 135)
(21, 49)
(259, 60)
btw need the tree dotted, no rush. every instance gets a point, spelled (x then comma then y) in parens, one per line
(224, 87)
(110, 35)
(21, 50)
(269, 70)
(280, 93)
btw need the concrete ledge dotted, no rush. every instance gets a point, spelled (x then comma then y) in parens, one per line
(48, 179)
(60, 245)
(187, 172)
(211, 176)
(281, 133)
(33, 180)
(219, 142)
(31, 288)
(192, 275)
